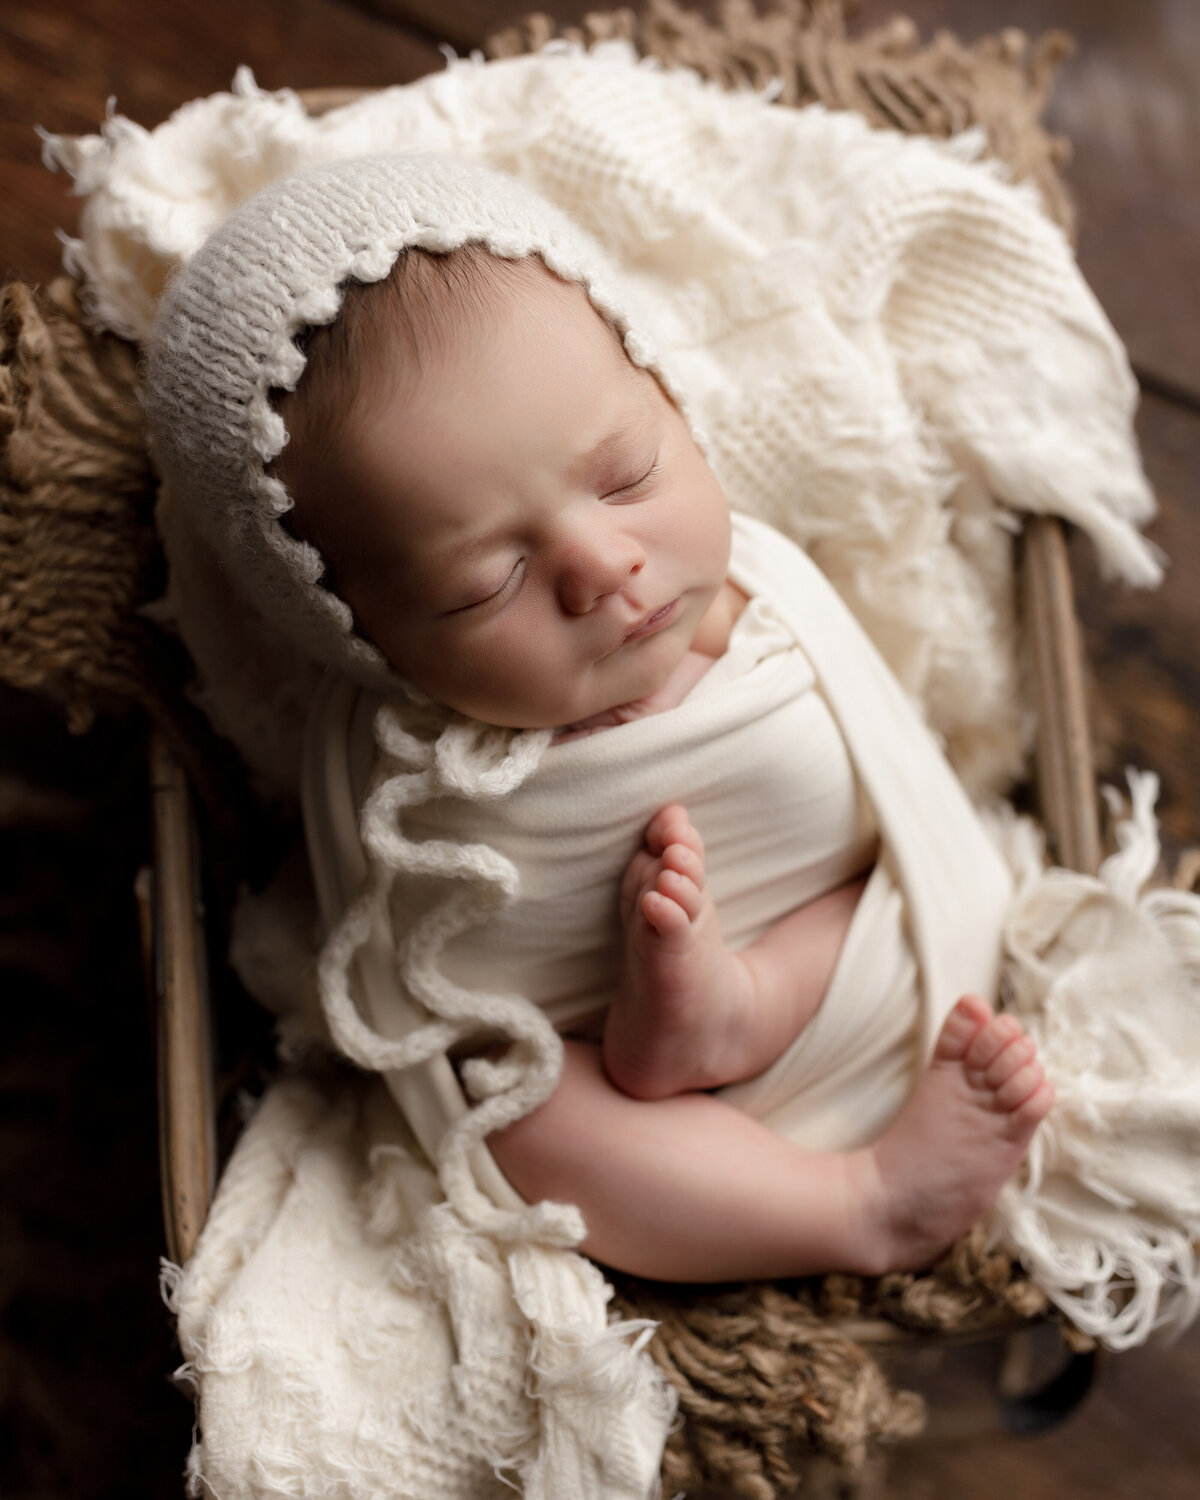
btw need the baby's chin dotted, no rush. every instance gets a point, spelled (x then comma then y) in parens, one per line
(666, 690)
(659, 677)
(564, 715)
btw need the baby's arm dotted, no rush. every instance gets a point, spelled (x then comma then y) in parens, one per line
(690, 1189)
(689, 1014)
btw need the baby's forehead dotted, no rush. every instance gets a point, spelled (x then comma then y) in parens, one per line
(521, 317)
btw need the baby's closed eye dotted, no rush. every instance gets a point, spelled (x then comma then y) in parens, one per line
(491, 596)
(633, 489)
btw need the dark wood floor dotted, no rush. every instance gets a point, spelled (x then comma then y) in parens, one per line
(85, 1408)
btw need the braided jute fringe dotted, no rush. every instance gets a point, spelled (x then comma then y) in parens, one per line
(762, 1376)
(769, 1376)
(77, 546)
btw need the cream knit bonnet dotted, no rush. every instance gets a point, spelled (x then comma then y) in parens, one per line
(224, 339)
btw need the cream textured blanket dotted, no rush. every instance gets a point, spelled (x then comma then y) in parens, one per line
(891, 351)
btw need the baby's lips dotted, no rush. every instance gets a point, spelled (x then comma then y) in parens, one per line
(652, 622)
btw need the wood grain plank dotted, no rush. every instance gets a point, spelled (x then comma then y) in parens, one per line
(466, 24)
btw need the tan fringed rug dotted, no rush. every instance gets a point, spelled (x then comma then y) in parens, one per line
(771, 1373)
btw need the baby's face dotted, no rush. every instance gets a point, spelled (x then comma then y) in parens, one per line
(538, 536)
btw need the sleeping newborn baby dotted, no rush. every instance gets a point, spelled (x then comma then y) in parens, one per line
(523, 524)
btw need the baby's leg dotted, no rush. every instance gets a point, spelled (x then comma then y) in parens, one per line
(690, 1189)
(690, 1014)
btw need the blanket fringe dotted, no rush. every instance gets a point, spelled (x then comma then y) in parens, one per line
(1105, 974)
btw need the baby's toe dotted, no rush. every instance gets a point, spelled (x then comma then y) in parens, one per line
(671, 825)
(639, 876)
(1032, 1111)
(665, 915)
(990, 1041)
(683, 891)
(1019, 1086)
(684, 861)
(961, 1026)
(1018, 1051)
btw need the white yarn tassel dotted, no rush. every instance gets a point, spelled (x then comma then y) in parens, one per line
(1106, 977)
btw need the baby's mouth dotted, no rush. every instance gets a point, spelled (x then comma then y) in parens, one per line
(651, 622)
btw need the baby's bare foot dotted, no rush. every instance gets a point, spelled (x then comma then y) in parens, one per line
(679, 979)
(961, 1135)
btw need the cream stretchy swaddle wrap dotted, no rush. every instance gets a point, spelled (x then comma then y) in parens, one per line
(759, 759)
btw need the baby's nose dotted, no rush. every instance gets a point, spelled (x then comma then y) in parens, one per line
(594, 569)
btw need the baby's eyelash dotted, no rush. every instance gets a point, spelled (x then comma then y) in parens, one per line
(492, 597)
(651, 473)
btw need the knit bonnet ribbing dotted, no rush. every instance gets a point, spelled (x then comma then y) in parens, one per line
(224, 339)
